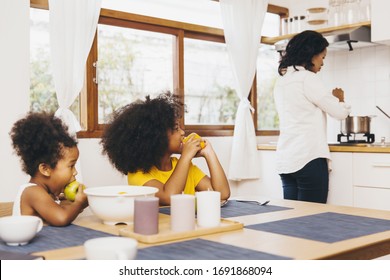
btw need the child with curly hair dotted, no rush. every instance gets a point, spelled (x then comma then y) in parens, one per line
(141, 139)
(48, 154)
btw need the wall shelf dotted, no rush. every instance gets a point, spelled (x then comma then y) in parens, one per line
(334, 30)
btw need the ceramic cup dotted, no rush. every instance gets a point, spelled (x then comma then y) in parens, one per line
(111, 248)
(208, 206)
(19, 230)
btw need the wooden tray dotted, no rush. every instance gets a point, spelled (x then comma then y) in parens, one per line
(165, 233)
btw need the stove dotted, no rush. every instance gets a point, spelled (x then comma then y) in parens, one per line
(354, 139)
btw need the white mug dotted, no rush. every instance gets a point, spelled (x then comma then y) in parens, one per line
(111, 248)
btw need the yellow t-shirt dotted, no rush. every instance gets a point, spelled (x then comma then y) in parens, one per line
(194, 176)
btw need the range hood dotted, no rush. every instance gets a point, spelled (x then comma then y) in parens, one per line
(350, 39)
(346, 39)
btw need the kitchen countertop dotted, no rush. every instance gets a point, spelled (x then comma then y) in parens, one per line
(358, 148)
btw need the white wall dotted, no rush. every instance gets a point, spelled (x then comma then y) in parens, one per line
(15, 84)
(364, 75)
(96, 169)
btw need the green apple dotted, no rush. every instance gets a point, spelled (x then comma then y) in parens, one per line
(70, 190)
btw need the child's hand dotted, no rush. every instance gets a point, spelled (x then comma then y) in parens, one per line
(206, 150)
(81, 197)
(191, 145)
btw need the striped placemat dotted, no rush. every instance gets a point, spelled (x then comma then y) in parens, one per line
(51, 238)
(201, 249)
(326, 227)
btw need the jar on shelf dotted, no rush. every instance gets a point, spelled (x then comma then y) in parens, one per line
(365, 10)
(290, 25)
(336, 14)
(351, 11)
(294, 26)
(285, 26)
(301, 23)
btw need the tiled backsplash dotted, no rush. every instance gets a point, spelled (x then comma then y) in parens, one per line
(364, 75)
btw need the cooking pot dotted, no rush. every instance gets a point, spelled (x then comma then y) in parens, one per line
(356, 125)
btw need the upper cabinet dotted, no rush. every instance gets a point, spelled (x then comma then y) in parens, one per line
(380, 31)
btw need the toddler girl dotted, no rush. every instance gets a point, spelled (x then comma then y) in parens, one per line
(140, 142)
(48, 154)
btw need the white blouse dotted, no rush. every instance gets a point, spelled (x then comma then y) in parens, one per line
(302, 102)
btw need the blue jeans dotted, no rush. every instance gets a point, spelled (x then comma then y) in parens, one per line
(311, 183)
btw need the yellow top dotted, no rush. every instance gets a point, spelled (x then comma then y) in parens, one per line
(194, 176)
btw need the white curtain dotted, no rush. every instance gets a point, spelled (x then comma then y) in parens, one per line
(242, 22)
(72, 28)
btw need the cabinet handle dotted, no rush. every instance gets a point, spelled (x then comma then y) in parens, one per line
(381, 164)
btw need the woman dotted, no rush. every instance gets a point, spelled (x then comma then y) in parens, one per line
(302, 102)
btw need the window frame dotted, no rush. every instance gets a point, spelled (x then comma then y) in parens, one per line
(89, 94)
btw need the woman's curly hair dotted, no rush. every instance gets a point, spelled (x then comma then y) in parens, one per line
(301, 49)
(136, 138)
(39, 138)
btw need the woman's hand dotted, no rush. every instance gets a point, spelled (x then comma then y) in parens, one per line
(339, 93)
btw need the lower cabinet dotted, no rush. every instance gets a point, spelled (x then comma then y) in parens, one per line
(340, 179)
(360, 180)
(371, 180)
(369, 197)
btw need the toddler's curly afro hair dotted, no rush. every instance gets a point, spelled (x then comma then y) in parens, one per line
(39, 138)
(136, 138)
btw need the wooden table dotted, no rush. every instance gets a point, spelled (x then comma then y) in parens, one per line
(365, 247)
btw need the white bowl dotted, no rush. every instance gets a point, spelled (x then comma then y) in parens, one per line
(19, 230)
(115, 204)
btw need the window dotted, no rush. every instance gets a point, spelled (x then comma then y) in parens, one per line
(131, 64)
(209, 95)
(42, 90)
(188, 59)
(267, 63)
